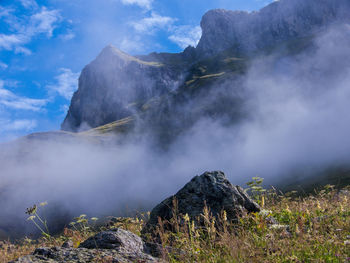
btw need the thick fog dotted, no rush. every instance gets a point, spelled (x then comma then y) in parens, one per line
(298, 120)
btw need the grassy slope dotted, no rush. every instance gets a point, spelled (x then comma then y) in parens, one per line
(319, 231)
(326, 217)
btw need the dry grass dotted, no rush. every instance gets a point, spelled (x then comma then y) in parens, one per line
(10, 251)
(113, 127)
(318, 231)
(311, 229)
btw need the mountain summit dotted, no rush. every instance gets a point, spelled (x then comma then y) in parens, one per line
(263, 93)
(110, 85)
(116, 85)
(278, 22)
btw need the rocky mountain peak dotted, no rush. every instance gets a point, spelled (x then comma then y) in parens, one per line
(113, 82)
(116, 80)
(117, 58)
(110, 52)
(280, 21)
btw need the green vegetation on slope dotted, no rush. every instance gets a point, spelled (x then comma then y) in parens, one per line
(315, 228)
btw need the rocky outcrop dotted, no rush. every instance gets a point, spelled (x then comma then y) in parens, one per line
(245, 32)
(211, 189)
(115, 245)
(114, 86)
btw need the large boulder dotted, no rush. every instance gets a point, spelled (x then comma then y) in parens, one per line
(116, 245)
(211, 189)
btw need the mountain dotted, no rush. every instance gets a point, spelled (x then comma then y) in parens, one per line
(278, 22)
(116, 85)
(111, 84)
(263, 93)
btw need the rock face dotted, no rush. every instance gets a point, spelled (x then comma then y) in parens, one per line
(112, 85)
(116, 85)
(116, 245)
(211, 189)
(280, 21)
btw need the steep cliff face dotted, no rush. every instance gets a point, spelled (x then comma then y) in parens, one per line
(280, 21)
(114, 85)
(117, 85)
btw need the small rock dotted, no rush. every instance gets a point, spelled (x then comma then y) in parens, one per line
(278, 226)
(68, 244)
(115, 239)
(115, 246)
(43, 251)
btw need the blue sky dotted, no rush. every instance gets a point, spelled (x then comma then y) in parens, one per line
(45, 44)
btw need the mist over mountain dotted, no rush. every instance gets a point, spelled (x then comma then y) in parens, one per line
(276, 23)
(111, 83)
(115, 84)
(263, 93)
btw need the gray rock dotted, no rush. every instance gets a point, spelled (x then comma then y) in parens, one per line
(68, 244)
(45, 251)
(114, 246)
(118, 239)
(280, 21)
(84, 255)
(112, 87)
(211, 189)
(116, 85)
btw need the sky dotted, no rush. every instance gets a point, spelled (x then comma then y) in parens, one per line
(44, 45)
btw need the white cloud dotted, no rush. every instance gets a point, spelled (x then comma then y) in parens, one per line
(185, 36)
(4, 12)
(3, 65)
(67, 83)
(17, 125)
(29, 3)
(64, 108)
(142, 3)
(70, 35)
(155, 21)
(11, 83)
(8, 42)
(134, 44)
(22, 50)
(10, 100)
(42, 22)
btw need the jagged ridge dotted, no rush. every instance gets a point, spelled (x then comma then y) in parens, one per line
(117, 85)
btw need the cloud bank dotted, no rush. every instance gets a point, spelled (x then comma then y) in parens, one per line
(298, 124)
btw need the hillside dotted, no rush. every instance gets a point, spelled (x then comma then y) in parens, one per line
(287, 229)
(116, 85)
(264, 93)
